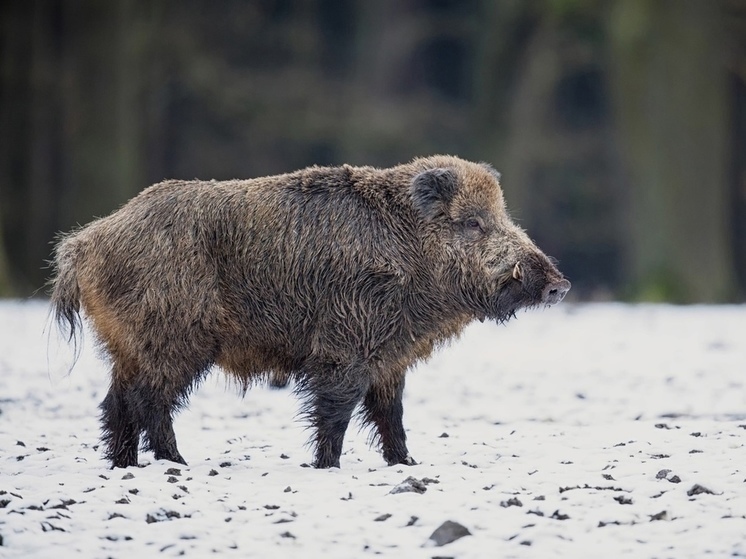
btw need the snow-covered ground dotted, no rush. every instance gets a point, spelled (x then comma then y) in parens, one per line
(596, 430)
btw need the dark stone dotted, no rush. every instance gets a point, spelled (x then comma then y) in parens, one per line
(662, 474)
(448, 532)
(698, 489)
(409, 485)
(512, 502)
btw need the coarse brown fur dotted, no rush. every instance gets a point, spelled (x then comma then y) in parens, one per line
(339, 278)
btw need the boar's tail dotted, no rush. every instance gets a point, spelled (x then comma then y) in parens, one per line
(66, 291)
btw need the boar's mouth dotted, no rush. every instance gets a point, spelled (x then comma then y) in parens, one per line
(526, 285)
(509, 298)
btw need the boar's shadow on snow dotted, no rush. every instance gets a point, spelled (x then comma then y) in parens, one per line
(338, 278)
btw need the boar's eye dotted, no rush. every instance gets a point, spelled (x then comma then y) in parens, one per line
(473, 225)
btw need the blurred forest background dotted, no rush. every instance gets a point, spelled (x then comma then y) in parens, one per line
(619, 126)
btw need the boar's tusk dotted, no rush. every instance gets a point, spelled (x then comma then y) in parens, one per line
(517, 271)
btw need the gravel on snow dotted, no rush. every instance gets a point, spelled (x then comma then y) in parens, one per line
(585, 430)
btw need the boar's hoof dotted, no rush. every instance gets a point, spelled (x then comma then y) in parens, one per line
(123, 463)
(171, 457)
(326, 464)
(407, 461)
(125, 458)
(555, 292)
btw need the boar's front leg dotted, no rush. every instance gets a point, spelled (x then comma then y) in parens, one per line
(383, 409)
(332, 394)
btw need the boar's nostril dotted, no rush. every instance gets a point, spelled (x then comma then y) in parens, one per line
(554, 292)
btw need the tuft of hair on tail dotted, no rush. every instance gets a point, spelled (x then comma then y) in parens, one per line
(65, 293)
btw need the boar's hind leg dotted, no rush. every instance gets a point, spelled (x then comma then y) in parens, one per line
(333, 393)
(154, 404)
(382, 408)
(121, 434)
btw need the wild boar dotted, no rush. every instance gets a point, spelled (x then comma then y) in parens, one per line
(337, 278)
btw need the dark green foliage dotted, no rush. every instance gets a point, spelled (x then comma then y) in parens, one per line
(619, 124)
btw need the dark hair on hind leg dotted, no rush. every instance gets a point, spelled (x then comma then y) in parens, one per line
(154, 406)
(121, 434)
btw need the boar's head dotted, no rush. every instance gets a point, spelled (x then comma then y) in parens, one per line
(486, 263)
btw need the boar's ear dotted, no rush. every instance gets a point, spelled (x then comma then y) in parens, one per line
(433, 190)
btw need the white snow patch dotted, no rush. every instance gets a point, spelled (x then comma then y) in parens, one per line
(576, 431)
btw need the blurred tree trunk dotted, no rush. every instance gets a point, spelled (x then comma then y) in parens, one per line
(5, 285)
(104, 102)
(15, 31)
(47, 175)
(73, 138)
(500, 39)
(669, 96)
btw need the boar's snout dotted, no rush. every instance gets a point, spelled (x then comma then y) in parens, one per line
(541, 283)
(532, 281)
(555, 291)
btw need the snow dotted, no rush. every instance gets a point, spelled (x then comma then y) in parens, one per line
(584, 430)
